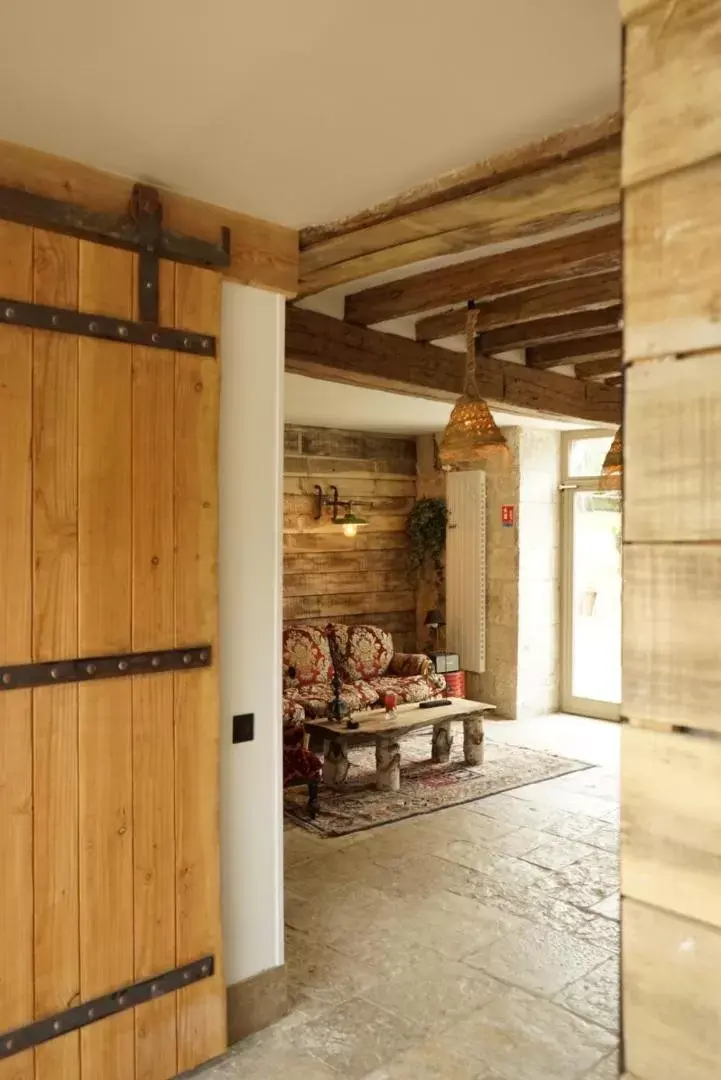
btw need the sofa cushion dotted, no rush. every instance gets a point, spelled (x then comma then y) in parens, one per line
(306, 656)
(366, 651)
(409, 688)
(293, 713)
(315, 699)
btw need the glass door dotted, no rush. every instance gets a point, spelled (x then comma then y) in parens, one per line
(591, 561)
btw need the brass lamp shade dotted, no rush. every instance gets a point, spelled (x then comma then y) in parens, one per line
(612, 468)
(472, 436)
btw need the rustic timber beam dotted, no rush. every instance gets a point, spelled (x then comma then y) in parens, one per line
(539, 302)
(568, 352)
(570, 177)
(593, 251)
(261, 253)
(326, 348)
(579, 324)
(615, 380)
(592, 369)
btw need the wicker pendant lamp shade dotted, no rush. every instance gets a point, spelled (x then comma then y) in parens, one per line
(612, 468)
(472, 436)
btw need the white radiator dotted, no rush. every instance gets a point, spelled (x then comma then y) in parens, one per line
(466, 568)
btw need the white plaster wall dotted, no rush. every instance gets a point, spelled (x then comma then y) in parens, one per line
(251, 477)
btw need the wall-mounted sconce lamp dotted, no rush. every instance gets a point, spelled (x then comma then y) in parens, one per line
(350, 522)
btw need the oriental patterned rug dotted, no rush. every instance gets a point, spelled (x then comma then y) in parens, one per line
(425, 787)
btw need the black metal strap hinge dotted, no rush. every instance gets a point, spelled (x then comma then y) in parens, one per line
(127, 997)
(85, 669)
(64, 321)
(126, 231)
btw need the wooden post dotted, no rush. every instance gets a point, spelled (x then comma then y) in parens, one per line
(388, 764)
(335, 764)
(442, 742)
(473, 740)
(671, 757)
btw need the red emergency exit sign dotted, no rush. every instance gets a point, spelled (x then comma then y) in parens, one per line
(508, 516)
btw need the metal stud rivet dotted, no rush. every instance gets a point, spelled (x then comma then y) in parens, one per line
(93, 327)
(90, 668)
(205, 969)
(122, 331)
(121, 999)
(206, 343)
(9, 312)
(122, 665)
(153, 988)
(187, 658)
(56, 1025)
(204, 655)
(8, 1044)
(55, 320)
(187, 342)
(91, 1013)
(55, 672)
(186, 976)
(7, 678)
(155, 661)
(148, 284)
(155, 338)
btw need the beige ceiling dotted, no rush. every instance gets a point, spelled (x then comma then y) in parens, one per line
(300, 110)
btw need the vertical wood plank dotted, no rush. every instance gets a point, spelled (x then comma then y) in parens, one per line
(201, 1008)
(153, 734)
(16, 836)
(55, 634)
(105, 722)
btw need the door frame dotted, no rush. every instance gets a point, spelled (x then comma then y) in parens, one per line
(570, 485)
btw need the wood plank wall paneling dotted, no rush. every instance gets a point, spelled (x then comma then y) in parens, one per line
(671, 857)
(327, 575)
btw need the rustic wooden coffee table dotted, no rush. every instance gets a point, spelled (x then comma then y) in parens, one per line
(387, 731)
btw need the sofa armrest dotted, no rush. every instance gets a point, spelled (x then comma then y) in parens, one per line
(410, 664)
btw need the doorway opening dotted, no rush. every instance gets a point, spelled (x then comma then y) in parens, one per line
(591, 537)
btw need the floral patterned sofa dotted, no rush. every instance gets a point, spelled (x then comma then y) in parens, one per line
(370, 669)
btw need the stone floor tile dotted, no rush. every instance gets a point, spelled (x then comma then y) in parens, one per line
(432, 1060)
(539, 959)
(605, 835)
(320, 977)
(468, 823)
(526, 1038)
(608, 1069)
(606, 933)
(355, 1038)
(589, 881)
(455, 925)
(437, 994)
(595, 996)
(610, 908)
(503, 868)
(507, 808)
(557, 798)
(557, 854)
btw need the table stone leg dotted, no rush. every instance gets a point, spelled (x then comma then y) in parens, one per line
(473, 740)
(442, 742)
(335, 764)
(388, 764)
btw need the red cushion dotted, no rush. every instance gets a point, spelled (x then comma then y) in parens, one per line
(306, 656)
(366, 650)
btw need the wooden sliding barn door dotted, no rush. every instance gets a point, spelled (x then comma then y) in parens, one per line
(109, 859)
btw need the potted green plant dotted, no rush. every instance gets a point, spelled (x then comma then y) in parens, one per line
(426, 529)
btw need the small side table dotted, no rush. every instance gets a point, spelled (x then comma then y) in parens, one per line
(448, 664)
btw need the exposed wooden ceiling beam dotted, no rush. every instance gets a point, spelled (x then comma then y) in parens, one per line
(579, 324)
(594, 251)
(592, 369)
(568, 352)
(539, 302)
(326, 348)
(569, 177)
(615, 380)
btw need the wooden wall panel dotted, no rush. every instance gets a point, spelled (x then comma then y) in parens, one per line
(105, 720)
(16, 756)
(672, 1006)
(327, 575)
(153, 626)
(673, 450)
(672, 118)
(55, 634)
(672, 230)
(671, 634)
(671, 821)
(201, 1008)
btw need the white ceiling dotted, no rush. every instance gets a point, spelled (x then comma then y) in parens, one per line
(316, 403)
(300, 110)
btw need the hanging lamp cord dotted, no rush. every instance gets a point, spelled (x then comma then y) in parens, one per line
(470, 388)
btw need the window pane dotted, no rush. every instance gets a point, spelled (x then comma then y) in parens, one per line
(586, 456)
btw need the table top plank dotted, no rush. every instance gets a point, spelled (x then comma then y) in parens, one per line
(375, 722)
